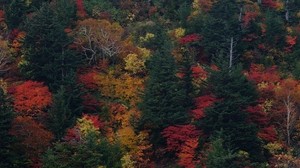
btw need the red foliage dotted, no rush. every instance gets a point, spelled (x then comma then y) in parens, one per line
(257, 115)
(258, 74)
(31, 97)
(90, 103)
(201, 103)
(189, 39)
(248, 17)
(177, 135)
(182, 139)
(291, 42)
(34, 137)
(198, 72)
(72, 135)
(80, 8)
(2, 15)
(187, 154)
(268, 134)
(89, 80)
(13, 34)
(270, 3)
(94, 119)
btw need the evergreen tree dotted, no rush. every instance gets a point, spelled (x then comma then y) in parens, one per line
(15, 13)
(10, 157)
(164, 97)
(47, 56)
(60, 115)
(92, 152)
(234, 93)
(219, 26)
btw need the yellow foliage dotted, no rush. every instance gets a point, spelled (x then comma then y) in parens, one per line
(147, 37)
(274, 148)
(134, 64)
(86, 126)
(3, 85)
(124, 87)
(127, 138)
(267, 105)
(127, 162)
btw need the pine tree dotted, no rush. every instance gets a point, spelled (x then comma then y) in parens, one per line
(47, 55)
(234, 93)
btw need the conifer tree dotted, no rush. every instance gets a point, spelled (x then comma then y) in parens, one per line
(60, 115)
(15, 13)
(9, 156)
(164, 98)
(234, 93)
(47, 56)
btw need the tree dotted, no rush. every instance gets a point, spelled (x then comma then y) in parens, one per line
(234, 94)
(47, 56)
(31, 98)
(221, 28)
(99, 39)
(288, 93)
(10, 157)
(60, 115)
(163, 99)
(15, 13)
(219, 156)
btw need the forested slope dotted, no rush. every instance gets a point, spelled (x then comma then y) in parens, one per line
(144, 84)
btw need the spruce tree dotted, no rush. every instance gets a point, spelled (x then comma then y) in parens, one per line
(47, 56)
(234, 93)
(164, 97)
(15, 13)
(10, 157)
(219, 26)
(60, 115)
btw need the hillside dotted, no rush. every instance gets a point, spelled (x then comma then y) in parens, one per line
(149, 84)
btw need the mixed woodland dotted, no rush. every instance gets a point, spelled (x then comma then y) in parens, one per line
(149, 84)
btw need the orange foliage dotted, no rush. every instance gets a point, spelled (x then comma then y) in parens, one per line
(35, 139)
(291, 42)
(31, 97)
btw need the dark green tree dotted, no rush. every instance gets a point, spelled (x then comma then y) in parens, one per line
(234, 93)
(10, 156)
(90, 153)
(15, 13)
(219, 157)
(163, 102)
(47, 55)
(60, 115)
(219, 27)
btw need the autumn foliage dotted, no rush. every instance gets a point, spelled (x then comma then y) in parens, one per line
(31, 97)
(183, 140)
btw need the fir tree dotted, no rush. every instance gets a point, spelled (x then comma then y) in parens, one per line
(10, 157)
(164, 97)
(234, 93)
(47, 56)
(60, 115)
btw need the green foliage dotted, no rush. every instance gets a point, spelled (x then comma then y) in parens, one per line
(219, 26)
(275, 31)
(47, 56)
(228, 114)
(164, 97)
(60, 114)
(65, 11)
(10, 156)
(219, 157)
(15, 13)
(96, 7)
(91, 153)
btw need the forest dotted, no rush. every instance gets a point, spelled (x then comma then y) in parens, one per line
(149, 84)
